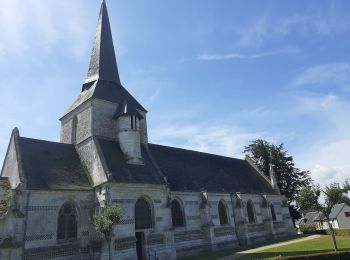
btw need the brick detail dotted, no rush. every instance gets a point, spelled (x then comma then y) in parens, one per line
(155, 239)
(193, 217)
(191, 203)
(188, 235)
(41, 208)
(126, 221)
(224, 231)
(124, 243)
(39, 237)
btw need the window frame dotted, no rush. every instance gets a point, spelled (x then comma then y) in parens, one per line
(181, 212)
(251, 218)
(222, 210)
(65, 219)
(273, 213)
(150, 215)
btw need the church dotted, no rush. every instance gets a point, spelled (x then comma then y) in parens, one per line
(175, 202)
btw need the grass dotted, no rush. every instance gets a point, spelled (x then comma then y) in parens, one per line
(217, 254)
(318, 245)
(322, 244)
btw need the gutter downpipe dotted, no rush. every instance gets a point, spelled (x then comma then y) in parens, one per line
(234, 219)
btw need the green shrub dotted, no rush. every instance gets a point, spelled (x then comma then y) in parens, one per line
(340, 232)
(310, 229)
(325, 256)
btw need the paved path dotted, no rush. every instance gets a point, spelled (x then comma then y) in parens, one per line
(258, 249)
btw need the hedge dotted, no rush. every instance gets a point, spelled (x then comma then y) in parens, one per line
(340, 232)
(326, 256)
(311, 229)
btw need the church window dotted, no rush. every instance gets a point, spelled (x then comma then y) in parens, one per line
(132, 122)
(250, 211)
(143, 214)
(74, 129)
(222, 213)
(177, 214)
(67, 223)
(273, 213)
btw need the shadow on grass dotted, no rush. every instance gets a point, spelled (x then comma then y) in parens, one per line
(272, 255)
(225, 252)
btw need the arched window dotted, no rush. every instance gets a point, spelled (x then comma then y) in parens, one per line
(273, 213)
(67, 223)
(143, 214)
(250, 211)
(222, 213)
(177, 215)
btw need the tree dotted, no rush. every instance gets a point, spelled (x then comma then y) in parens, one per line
(104, 221)
(290, 179)
(309, 199)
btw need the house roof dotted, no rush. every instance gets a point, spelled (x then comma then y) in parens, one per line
(336, 210)
(49, 165)
(309, 218)
(187, 170)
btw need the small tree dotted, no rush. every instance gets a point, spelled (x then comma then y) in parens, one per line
(104, 221)
(309, 199)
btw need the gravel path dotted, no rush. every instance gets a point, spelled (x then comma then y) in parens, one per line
(258, 249)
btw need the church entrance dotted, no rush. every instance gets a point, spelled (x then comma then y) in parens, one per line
(140, 238)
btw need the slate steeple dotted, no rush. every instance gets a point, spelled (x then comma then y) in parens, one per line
(103, 64)
(102, 80)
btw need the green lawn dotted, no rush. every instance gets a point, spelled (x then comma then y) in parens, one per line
(318, 245)
(225, 252)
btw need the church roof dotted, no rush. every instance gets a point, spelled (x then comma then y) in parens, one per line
(188, 170)
(130, 173)
(56, 166)
(126, 109)
(50, 166)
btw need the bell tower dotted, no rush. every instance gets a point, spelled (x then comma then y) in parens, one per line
(104, 108)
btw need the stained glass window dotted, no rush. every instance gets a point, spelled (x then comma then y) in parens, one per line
(67, 223)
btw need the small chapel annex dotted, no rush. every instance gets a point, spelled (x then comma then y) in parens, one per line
(175, 202)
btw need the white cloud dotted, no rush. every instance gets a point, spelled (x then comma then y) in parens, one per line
(40, 24)
(230, 56)
(330, 21)
(220, 139)
(254, 34)
(329, 162)
(332, 74)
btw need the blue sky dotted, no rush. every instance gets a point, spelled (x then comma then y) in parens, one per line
(213, 75)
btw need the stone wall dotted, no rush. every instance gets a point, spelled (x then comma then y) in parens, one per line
(43, 207)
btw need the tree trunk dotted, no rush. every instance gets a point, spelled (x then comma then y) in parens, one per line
(332, 235)
(109, 249)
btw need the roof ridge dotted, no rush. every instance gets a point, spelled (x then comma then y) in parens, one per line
(204, 153)
(43, 141)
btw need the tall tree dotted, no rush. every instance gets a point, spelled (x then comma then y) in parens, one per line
(290, 179)
(104, 221)
(309, 199)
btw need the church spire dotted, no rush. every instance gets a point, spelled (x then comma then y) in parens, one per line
(103, 64)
